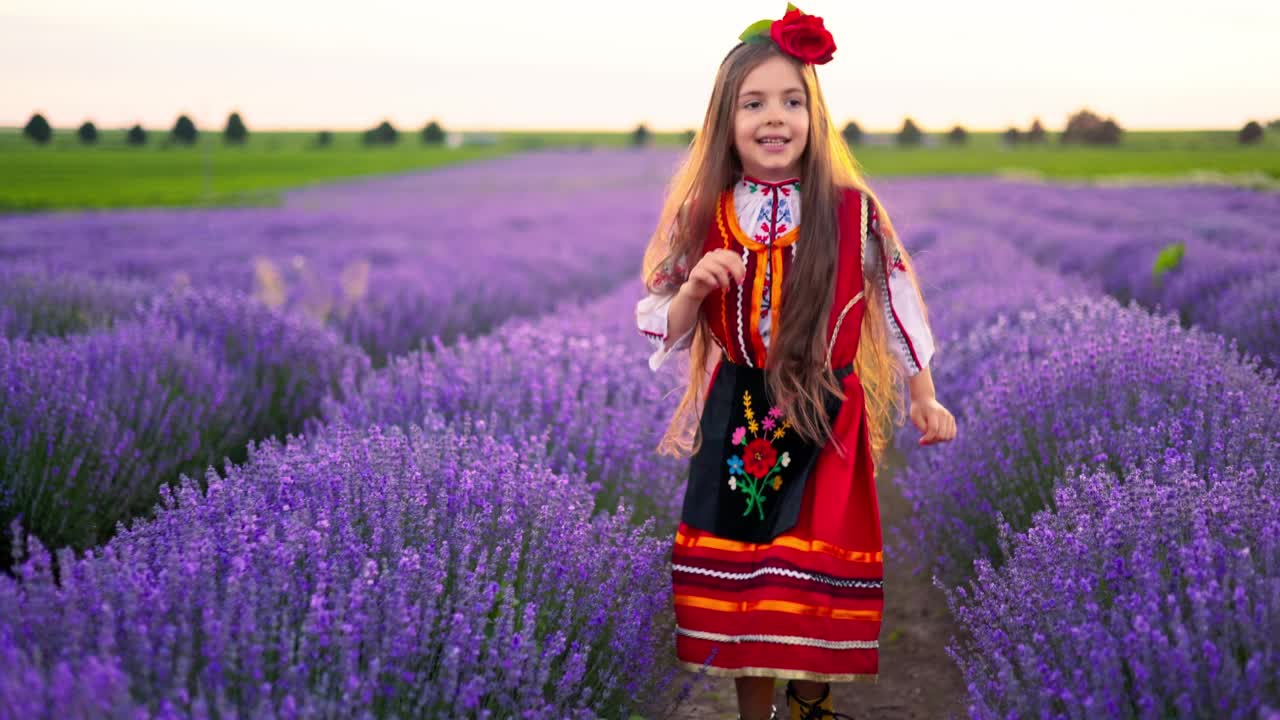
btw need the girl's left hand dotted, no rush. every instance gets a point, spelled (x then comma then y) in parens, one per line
(935, 421)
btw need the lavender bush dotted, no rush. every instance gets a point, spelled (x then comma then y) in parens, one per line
(1079, 382)
(37, 303)
(1250, 310)
(1155, 597)
(432, 573)
(576, 378)
(141, 410)
(971, 278)
(90, 425)
(285, 365)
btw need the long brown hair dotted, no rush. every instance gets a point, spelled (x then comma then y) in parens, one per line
(794, 363)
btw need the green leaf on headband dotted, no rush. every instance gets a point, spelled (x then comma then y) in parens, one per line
(757, 29)
(791, 7)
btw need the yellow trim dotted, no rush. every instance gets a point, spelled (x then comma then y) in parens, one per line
(778, 673)
(787, 541)
(783, 606)
(775, 294)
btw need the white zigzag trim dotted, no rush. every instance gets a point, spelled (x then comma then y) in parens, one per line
(777, 571)
(783, 640)
(746, 351)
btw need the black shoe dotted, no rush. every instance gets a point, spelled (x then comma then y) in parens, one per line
(819, 709)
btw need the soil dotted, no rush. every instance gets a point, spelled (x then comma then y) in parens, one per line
(918, 679)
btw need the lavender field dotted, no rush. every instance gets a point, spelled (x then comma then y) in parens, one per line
(388, 451)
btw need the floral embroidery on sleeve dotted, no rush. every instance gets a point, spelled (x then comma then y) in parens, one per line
(669, 276)
(897, 264)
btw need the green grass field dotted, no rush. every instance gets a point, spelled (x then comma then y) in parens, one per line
(67, 175)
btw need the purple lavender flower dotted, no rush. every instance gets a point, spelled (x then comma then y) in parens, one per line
(384, 573)
(1152, 597)
(92, 424)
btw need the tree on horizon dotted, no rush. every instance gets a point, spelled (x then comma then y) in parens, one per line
(184, 131)
(235, 133)
(38, 130)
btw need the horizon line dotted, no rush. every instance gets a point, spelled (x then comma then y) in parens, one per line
(577, 130)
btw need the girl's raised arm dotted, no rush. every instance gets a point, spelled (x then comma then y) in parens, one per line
(652, 312)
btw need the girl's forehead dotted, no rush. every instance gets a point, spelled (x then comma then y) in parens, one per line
(774, 75)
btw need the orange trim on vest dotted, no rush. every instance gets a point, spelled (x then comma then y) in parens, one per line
(780, 242)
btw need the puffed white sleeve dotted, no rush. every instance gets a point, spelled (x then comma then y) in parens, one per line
(651, 317)
(911, 341)
(652, 309)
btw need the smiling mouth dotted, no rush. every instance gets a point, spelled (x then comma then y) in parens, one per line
(773, 141)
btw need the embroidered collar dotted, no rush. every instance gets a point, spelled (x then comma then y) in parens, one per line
(754, 185)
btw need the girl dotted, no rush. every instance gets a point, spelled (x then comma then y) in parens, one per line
(777, 560)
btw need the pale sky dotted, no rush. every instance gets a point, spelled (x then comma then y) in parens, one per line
(605, 64)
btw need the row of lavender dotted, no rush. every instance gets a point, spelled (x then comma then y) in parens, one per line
(391, 262)
(429, 573)
(1212, 255)
(1107, 524)
(139, 389)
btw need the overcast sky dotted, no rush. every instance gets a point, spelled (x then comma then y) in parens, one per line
(607, 64)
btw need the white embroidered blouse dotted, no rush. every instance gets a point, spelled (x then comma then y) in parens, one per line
(772, 209)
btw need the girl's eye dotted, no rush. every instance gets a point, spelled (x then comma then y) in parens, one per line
(753, 104)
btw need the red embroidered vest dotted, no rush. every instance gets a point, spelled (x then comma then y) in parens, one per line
(733, 314)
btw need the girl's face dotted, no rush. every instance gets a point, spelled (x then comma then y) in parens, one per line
(771, 121)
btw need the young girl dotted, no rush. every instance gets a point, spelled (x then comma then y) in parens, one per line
(777, 560)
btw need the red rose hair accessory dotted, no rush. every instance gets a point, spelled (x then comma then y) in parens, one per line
(799, 35)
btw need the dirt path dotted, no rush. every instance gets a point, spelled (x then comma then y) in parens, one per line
(917, 678)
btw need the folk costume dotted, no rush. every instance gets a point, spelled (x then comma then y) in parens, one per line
(767, 581)
(777, 563)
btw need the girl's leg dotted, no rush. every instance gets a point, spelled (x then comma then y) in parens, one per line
(755, 697)
(808, 689)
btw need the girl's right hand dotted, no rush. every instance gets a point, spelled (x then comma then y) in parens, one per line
(714, 271)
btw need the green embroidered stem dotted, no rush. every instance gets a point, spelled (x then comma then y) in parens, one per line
(753, 488)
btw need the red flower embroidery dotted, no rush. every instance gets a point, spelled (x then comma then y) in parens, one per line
(758, 457)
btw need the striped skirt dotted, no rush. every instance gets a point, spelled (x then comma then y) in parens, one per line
(808, 604)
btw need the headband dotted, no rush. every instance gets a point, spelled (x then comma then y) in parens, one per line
(799, 35)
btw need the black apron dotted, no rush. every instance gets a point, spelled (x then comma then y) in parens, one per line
(746, 482)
